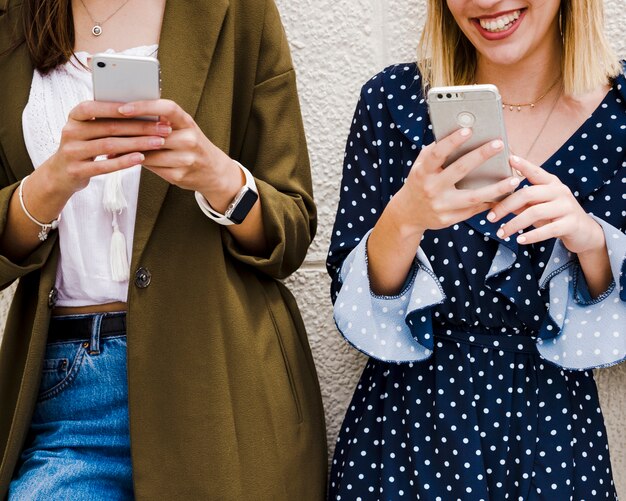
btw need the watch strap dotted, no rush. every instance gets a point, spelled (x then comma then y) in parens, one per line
(224, 219)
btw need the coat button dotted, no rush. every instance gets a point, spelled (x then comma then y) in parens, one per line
(142, 278)
(53, 296)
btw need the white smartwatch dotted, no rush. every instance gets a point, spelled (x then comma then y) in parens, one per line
(240, 206)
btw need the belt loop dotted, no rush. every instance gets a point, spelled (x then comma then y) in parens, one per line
(94, 342)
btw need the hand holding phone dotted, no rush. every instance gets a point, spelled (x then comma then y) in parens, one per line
(122, 78)
(478, 107)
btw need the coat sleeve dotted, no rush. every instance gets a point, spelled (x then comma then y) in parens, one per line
(9, 270)
(275, 151)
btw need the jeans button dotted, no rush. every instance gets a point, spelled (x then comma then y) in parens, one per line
(142, 278)
(53, 296)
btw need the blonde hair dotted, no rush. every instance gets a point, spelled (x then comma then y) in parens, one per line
(446, 56)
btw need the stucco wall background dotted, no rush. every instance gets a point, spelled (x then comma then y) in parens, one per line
(337, 45)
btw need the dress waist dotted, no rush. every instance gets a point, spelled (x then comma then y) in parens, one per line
(518, 343)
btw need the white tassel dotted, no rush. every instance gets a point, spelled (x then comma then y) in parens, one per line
(120, 270)
(113, 200)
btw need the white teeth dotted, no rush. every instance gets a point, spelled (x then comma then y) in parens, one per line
(501, 23)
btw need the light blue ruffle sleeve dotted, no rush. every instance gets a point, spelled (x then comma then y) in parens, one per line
(583, 333)
(377, 325)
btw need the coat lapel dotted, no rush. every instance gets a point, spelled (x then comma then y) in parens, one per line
(189, 36)
(14, 93)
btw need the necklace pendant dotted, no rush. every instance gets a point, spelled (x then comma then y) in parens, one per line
(511, 108)
(96, 31)
(519, 108)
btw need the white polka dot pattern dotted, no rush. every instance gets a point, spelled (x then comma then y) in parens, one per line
(588, 334)
(376, 325)
(591, 333)
(458, 400)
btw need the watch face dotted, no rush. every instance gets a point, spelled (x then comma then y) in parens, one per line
(240, 211)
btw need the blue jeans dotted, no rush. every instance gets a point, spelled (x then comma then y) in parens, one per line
(78, 446)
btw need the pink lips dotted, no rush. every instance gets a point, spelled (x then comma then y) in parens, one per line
(488, 35)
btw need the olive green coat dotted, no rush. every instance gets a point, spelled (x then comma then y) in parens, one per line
(223, 395)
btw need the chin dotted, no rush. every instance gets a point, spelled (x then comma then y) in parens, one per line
(501, 56)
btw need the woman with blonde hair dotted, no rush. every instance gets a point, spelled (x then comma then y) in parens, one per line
(483, 310)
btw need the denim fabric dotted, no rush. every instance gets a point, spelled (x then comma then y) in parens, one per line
(78, 447)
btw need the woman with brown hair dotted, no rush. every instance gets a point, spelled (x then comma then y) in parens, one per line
(151, 350)
(483, 318)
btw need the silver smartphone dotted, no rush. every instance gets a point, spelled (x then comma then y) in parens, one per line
(478, 107)
(122, 78)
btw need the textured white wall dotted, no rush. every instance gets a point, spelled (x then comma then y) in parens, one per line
(336, 46)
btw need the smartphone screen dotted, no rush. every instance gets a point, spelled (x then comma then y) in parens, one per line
(478, 107)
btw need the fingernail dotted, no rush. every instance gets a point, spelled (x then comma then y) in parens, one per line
(465, 132)
(163, 129)
(514, 181)
(497, 144)
(491, 216)
(138, 157)
(515, 159)
(500, 233)
(156, 141)
(126, 109)
(521, 239)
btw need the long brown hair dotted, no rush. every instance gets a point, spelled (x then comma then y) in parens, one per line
(48, 32)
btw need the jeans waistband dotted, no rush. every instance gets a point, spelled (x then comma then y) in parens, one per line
(86, 327)
(518, 343)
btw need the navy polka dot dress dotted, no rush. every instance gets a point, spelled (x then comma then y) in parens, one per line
(478, 385)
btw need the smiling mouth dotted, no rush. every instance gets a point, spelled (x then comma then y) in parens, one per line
(500, 23)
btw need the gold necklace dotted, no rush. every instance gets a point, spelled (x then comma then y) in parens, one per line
(545, 122)
(519, 107)
(96, 30)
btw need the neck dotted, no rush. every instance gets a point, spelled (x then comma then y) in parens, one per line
(121, 31)
(525, 80)
(102, 7)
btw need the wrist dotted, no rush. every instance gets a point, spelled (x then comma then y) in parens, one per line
(404, 224)
(596, 239)
(239, 206)
(44, 196)
(45, 226)
(225, 181)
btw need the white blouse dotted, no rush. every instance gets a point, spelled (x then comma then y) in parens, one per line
(84, 274)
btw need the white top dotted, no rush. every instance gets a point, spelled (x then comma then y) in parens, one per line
(85, 229)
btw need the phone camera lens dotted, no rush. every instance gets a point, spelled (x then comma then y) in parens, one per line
(448, 96)
(440, 96)
(101, 64)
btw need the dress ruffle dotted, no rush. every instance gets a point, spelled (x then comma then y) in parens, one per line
(388, 328)
(581, 333)
(578, 333)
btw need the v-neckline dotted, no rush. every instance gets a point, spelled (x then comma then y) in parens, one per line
(580, 130)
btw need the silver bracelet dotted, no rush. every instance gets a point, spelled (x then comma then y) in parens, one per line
(45, 227)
